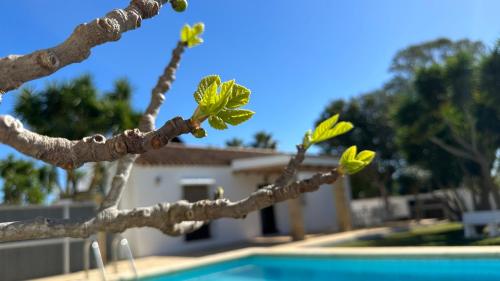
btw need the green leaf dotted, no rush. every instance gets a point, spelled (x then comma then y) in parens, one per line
(235, 116)
(366, 156)
(204, 84)
(239, 97)
(218, 105)
(352, 163)
(217, 123)
(227, 88)
(194, 41)
(325, 126)
(354, 166)
(339, 129)
(307, 140)
(198, 28)
(190, 35)
(210, 95)
(349, 154)
(185, 33)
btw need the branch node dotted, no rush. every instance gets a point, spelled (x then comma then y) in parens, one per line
(120, 147)
(95, 139)
(189, 214)
(148, 8)
(48, 60)
(111, 26)
(11, 122)
(99, 138)
(132, 133)
(137, 19)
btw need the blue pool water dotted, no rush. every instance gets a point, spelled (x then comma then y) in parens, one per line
(291, 268)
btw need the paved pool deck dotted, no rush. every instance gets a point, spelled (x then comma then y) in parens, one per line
(281, 245)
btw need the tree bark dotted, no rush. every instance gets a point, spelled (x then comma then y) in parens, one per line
(171, 218)
(71, 154)
(18, 69)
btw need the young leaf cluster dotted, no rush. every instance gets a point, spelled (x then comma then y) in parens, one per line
(191, 35)
(351, 163)
(220, 103)
(326, 130)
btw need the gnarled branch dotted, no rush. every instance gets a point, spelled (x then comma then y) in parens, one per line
(173, 219)
(70, 154)
(18, 69)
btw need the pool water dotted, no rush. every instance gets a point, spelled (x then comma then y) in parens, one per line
(279, 268)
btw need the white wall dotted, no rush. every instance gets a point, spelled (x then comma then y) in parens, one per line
(142, 190)
(318, 210)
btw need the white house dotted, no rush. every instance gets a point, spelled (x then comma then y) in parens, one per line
(193, 173)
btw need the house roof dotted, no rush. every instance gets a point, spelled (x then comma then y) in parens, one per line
(275, 163)
(175, 154)
(245, 160)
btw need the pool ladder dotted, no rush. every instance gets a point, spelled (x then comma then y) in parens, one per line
(122, 243)
(118, 243)
(97, 255)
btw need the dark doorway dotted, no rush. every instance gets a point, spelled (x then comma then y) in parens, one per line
(193, 193)
(267, 218)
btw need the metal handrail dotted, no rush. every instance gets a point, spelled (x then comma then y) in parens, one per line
(97, 254)
(118, 243)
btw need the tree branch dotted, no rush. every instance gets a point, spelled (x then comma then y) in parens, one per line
(18, 69)
(453, 150)
(146, 124)
(69, 154)
(162, 86)
(172, 219)
(291, 169)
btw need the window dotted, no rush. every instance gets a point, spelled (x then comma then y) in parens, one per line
(193, 193)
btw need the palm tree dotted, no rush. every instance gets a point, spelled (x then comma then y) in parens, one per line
(234, 142)
(75, 109)
(263, 139)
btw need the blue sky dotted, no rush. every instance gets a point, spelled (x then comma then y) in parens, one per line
(295, 56)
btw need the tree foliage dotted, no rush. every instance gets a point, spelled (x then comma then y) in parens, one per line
(375, 131)
(25, 182)
(457, 120)
(235, 142)
(441, 89)
(78, 102)
(263, 139)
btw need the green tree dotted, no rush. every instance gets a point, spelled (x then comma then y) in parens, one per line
(374, 112)
(235, 142)
(79, 103)
(263, 139)
(374, 130)
(458, 113)
(24, 182)
(446, 171)
(408, 60)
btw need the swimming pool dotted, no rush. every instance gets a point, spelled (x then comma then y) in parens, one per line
(294, 268)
